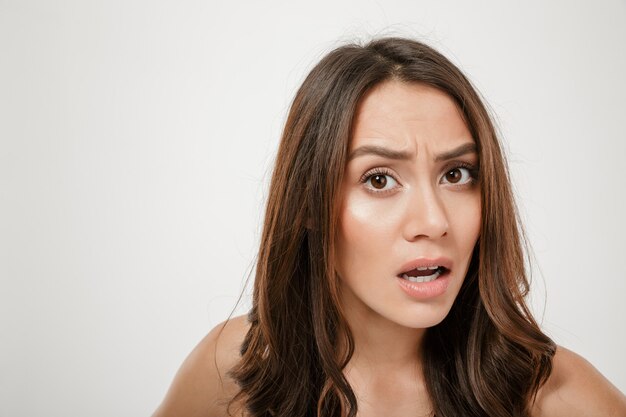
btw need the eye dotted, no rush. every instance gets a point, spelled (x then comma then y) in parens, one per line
(459, 175)
(379, 181)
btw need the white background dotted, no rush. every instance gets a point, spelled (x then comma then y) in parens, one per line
(136, 143)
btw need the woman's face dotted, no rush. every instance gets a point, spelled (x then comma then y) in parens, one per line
(410, 201)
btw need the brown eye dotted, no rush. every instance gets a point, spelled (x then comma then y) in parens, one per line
(454, 175)
(379, 181)
(458, 176)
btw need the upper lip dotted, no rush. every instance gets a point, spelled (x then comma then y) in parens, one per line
(425, 262)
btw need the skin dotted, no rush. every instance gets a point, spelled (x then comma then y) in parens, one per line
(419, 208)
(425, 210)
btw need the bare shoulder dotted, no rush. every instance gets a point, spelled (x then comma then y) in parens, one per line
(202, 387)
(576, 389)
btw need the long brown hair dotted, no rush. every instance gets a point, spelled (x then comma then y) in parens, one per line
(488, 356)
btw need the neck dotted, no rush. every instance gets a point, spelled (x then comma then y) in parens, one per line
(382, 345)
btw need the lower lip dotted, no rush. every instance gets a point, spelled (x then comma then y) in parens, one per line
(425, 290)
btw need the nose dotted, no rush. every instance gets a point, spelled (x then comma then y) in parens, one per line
(425, 215)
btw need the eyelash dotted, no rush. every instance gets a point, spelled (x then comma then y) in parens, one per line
(473, 172)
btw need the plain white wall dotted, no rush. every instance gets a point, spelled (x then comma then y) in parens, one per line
(136, 142)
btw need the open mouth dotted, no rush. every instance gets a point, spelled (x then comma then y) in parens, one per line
(424, 274)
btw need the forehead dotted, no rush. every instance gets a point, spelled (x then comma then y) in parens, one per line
(407, 114)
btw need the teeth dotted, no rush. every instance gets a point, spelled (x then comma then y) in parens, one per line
(427, 278)
(424, 268)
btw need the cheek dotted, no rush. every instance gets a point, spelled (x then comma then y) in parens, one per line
(367, 229)
(465, 220)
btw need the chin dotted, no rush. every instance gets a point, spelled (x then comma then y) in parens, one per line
(420, 317)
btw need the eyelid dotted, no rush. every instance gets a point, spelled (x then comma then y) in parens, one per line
(457, 163)
(377, 171)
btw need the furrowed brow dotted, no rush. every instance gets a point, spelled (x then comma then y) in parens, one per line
(469, 147)
(380, 151)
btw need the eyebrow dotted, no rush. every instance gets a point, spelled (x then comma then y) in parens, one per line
(469, 147)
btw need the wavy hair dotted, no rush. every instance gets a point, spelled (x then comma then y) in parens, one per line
(488, 356)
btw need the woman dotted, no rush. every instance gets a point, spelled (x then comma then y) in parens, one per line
(391, 277)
